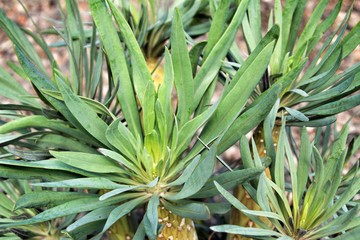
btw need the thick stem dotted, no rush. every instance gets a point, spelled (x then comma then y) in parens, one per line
(175, 227)
(121, 230)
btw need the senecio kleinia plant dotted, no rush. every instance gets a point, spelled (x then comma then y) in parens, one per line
(321, 203)
(125, 145)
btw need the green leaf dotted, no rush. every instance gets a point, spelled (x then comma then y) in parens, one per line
(101, 213)
(165, 93)
(148, 108)
(350, 235)
(11, 89)
(326, 24)
(328, 54)
(122, 210)
(141, 76)
(75, 206)
(284, 201)
(57, 142)
(186, 173)
(119, 158)
(188, 130)
(41, 81)
(304, 163)
(122, 139)
(279, 165)
(195, 54)
(263, 214)
(52, 173)
(182, 70)
(311, 25)
(339, 224)
(13, 139)
(218, 25)
(88, 162)
(14, 32)
(124, 188)
(214, 61)
(91, 182)
(299, 92)
(276, 61)
(46, 199)
(251, 117)
(85, 115)
(344, 198)
(151, 217)
(336, 155)
(238, 91)
(194, 211)
(140, 232)
(85, 231)
(296, 22)
(246, 155)
(117, 191)
(333, 108)
(95, 105)
(239, 205)
(199, 176)
(313, 123)
(227, 180)
(18, 172)
(297, 114)
(36, 121)
(118, 64)
(294, 184)
(261, 196)
(286, 27)
(219, 208)
(245, 231)
(332, 92)
(351, 40)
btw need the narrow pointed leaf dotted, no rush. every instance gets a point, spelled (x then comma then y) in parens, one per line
(182, 70)
(297, 114)
(37, 121)
(96, 183)
(336, 107)
(121, 211)
(88, 118)
(227, 180)
(46, 199)
(241, 87)
(99, 214)
(118, 64)
(214, 60)
(122, 139)
(75, 206)
(88, 162)
(199, 177)
(245, 231)
(195, 211)
(151, 217)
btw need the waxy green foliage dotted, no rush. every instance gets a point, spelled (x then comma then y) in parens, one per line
(322, 198)
(141, 156)
(95, 145)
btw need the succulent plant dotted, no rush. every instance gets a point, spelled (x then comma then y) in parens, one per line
(126, 144)
(135, 143)
(315, 201)
(316, 91)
